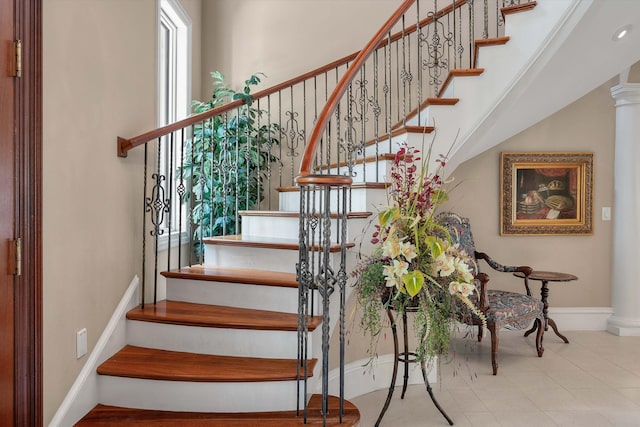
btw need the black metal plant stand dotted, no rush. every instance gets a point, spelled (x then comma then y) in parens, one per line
(406, 357)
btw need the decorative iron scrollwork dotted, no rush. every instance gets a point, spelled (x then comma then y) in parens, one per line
(157, 204)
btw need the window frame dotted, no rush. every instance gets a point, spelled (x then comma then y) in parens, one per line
(174, 75)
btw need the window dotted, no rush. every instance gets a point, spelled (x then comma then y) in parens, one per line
(174, 98)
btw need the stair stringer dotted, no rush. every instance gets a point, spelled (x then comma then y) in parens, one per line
(530, 33)
(84, 394)
(580, 56)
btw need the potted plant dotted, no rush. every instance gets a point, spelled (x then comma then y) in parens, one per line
(414, 263)
(227, 160)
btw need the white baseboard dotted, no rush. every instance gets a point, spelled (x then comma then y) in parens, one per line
(360, 379)
(581, 318)
(624, 327)
(83, 395)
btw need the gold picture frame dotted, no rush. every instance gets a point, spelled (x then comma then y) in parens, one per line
(546, 193)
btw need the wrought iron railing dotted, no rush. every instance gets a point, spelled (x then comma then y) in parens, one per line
(311, 131)
(389, 82)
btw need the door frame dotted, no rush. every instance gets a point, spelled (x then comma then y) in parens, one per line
(28, 221)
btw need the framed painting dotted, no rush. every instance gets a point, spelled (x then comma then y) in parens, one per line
(546, 193)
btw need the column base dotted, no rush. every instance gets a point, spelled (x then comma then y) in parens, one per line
(623, 327)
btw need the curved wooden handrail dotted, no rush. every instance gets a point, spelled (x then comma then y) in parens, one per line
(127, 144)
(341, 88)
(376, 42)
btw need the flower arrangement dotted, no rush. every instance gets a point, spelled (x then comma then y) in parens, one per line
(415, 264)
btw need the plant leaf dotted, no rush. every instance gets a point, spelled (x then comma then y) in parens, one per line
(413, 282)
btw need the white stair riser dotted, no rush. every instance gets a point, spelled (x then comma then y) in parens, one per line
(198, 396)
(274, 298)
(277, 227)
(362, 200)
(366, 172)
(219, 341)
(234, 256)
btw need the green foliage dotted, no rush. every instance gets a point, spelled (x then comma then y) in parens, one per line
(227, 160)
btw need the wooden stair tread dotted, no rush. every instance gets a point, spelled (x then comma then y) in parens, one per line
(365, 185)
(462, 72)
(517, 8)
(155, 364)
(496, 41)
(263, 242)
(215, 316)
(427, 102)
(102, 416)
(360, 160)
(234, 275)
(400, 129)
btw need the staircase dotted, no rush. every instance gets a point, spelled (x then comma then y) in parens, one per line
(218, 361)
(225, 347)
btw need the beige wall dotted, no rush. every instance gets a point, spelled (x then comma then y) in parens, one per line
(586, 125)
(99, 83)
(283, 38)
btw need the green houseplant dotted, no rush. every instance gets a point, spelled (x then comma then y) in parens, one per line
(227, 160)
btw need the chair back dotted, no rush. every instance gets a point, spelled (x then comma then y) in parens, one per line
(460, 231)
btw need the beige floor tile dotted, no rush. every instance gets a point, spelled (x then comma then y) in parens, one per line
(587, 418)
(524, 419)
(593, 381)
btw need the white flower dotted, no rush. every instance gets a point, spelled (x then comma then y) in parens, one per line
(392, 246)
(394, 272)
(408, 250)
(443, 265)
(463, 268)
(464, 289)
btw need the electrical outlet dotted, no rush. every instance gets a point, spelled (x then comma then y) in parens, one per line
(606, 214)
(81, 343)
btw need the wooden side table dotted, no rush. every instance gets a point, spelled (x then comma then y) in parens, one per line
(545, 277)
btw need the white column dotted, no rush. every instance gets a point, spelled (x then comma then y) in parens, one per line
(625, 286)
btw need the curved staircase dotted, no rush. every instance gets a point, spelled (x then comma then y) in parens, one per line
(223, 348)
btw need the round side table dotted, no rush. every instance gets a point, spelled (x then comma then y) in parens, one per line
(545, 277)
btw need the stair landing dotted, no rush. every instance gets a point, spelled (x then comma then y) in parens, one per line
(102, 416)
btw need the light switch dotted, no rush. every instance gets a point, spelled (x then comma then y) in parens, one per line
(606, 214)
(81, 343)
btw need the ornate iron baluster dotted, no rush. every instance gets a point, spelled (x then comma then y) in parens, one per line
(435, 63)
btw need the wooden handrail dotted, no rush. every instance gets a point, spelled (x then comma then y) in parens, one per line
(376, 42)
(127, 144)
(336, 95)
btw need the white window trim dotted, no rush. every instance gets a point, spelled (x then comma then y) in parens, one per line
(172, 12)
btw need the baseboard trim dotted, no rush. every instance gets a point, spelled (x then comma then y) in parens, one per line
(581, 318)
(362, 379)
(624, 327)
(83, 395)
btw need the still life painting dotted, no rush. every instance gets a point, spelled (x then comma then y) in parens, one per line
(546, 193)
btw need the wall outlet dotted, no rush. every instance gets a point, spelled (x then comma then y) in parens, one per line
(81, 343)
(606, 214)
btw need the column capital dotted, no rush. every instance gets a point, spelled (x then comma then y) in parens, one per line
(626, 94)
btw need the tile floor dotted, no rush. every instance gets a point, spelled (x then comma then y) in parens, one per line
(592, 382)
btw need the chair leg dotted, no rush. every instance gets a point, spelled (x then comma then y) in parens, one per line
(480, 332)
(539, 335)
(494, 347)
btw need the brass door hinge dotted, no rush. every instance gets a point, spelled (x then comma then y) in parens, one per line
(15, 257)
(17, 47)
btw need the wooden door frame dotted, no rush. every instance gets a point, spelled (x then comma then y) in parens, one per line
(28, 221)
